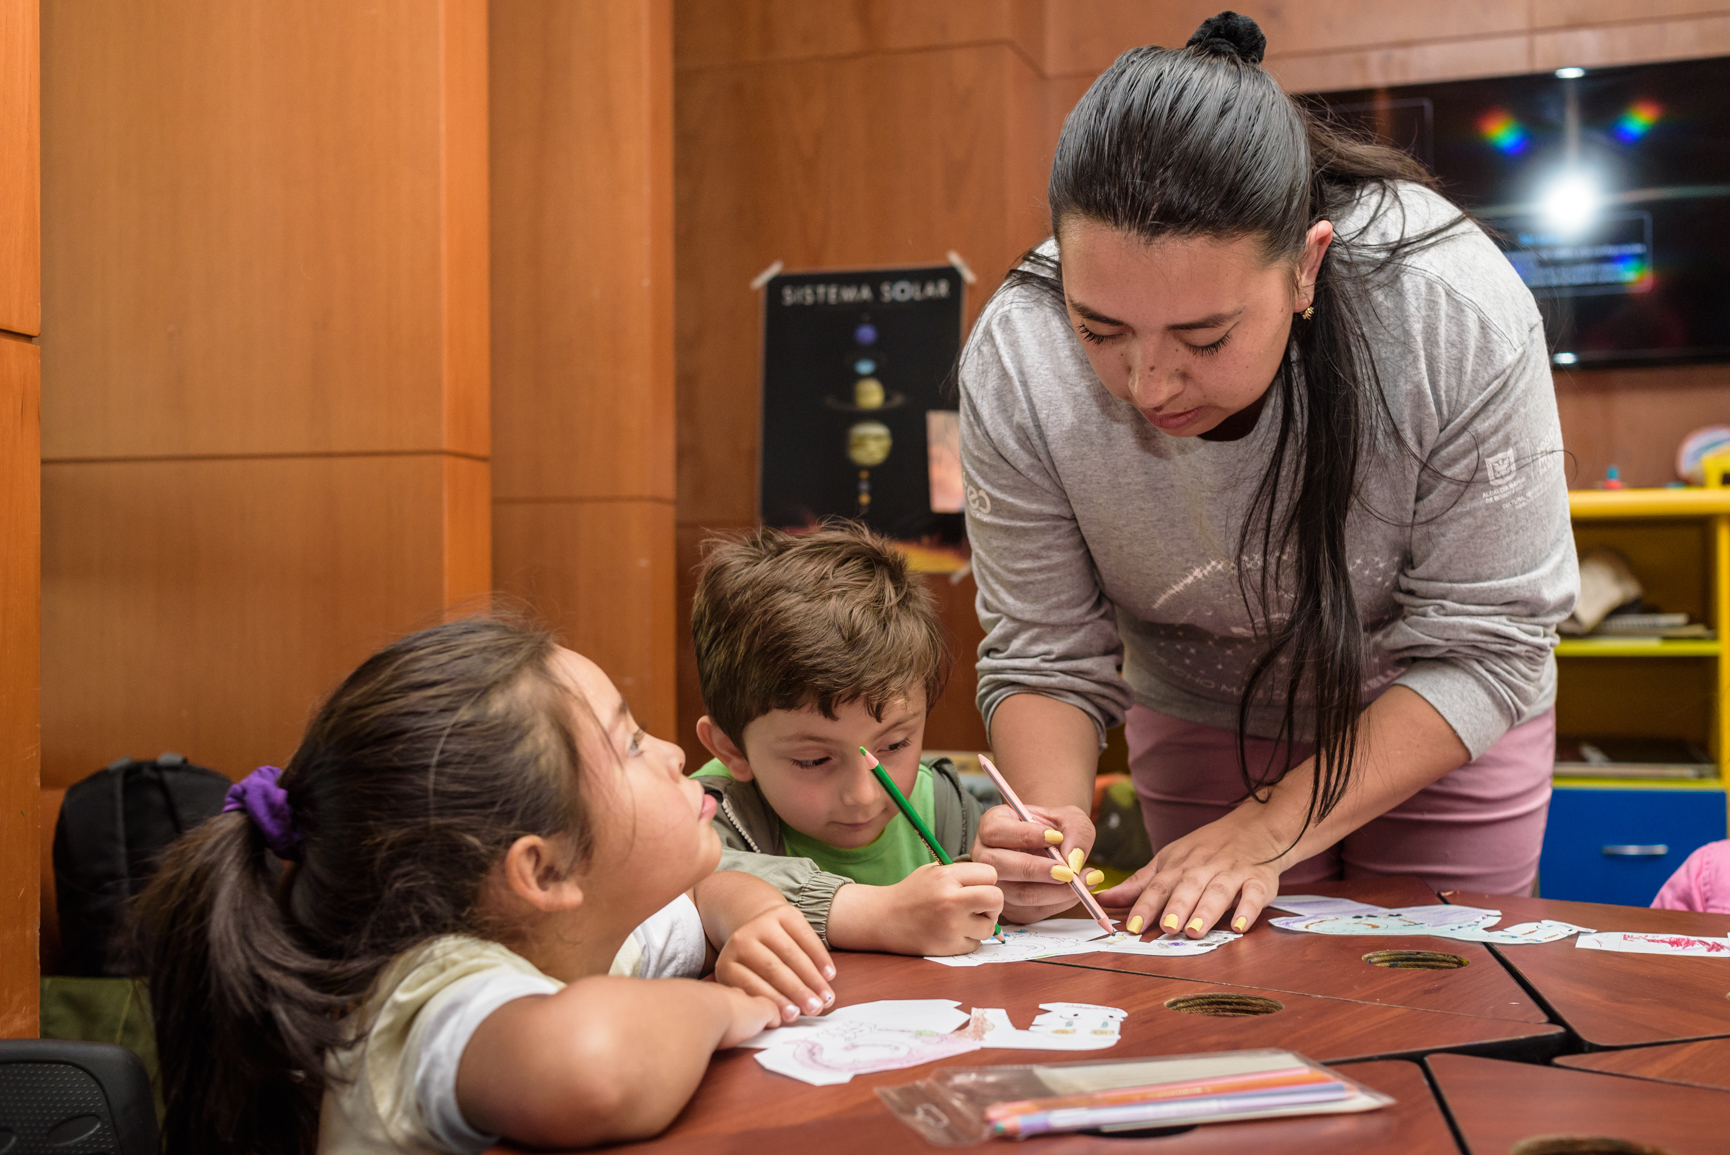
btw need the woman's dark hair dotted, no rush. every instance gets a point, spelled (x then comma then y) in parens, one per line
(413, 779)
(1201, 142)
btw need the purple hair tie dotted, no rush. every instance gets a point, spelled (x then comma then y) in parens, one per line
(266, 804)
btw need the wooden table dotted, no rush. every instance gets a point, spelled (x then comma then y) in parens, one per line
(1497, 1104)
(1612, 999)
(1702, 1064)
(1333, 965)
(1413, 1125)
(738, 1096)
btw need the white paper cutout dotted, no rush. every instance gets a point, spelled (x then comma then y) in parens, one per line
(936, 1016)
(1462, 923)
(1544, 930)
(1049, 939)
(1655, 943)
(1167, 945)
(837, 1051)
(1063, 1027)
(1317, 904)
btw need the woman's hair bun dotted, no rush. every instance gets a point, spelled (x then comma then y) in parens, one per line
(1231, 33)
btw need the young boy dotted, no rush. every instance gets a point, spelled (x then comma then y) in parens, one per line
(809, 647)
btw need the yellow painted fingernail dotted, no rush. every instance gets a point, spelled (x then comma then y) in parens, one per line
(1194, 924)
(1062, 873)
(1076, 858)
(1170, 922)
(1054, 837)
(1240, 923)
(1135, 924)
(1095, 877)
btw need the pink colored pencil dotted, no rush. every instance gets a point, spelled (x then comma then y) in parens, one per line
(1080, 888)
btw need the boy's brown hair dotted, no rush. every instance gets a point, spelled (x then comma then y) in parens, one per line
(785, 621)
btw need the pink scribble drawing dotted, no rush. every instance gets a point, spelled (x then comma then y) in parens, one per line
(1680, 943)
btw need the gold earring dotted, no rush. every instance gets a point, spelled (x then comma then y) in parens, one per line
(1309, 312)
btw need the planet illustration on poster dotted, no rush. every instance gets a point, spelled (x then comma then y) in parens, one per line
(868, 444)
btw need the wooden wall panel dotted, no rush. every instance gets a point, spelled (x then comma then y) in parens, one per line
(20, 169)
(762, 31)
(871, 147)
(601, 573)
(582, 282)
(249, 234)
(206, 606)
(266, 360)
(20, 737)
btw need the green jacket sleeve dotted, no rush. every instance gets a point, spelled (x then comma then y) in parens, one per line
(799, 880)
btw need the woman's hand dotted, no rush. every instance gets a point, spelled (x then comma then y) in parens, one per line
(1223, 868)
(1033, 886)
(777, 955)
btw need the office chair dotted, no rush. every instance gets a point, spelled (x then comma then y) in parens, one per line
(67, 1098)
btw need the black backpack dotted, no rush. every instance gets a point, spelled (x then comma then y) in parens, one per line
(113, 829)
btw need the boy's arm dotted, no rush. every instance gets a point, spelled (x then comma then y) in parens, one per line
(800, 881)
(605, 1059)
(936, 910)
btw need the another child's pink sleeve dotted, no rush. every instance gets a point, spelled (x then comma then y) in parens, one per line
(1702, 883)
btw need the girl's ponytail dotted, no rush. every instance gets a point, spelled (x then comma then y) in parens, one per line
(237, 1000)
(413, 779)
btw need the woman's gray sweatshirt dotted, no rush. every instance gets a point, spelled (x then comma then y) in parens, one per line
(1098, 540)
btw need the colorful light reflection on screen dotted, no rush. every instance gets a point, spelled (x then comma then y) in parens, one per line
(1504, 133)
(1638, 120)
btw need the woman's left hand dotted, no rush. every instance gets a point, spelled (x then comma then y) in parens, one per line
(1222, 869)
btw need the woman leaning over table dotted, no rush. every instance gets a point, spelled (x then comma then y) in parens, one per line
(1269, 424)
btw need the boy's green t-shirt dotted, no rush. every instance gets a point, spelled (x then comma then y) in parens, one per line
(895, 854)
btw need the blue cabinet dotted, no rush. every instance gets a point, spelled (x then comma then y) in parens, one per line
(1618, 844)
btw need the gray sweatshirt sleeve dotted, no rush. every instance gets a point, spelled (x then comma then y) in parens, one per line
(1049, 628)
(1492, 568)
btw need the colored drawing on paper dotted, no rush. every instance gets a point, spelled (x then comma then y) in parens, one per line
(1062, 1027)
(1655, 943)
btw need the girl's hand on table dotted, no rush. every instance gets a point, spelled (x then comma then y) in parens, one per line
(777, 956)
(1221, 873)
(1034, 887)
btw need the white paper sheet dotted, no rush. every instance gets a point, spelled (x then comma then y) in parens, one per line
(1461, 923)
(937, 1016)
(1167, 945)
(1062, 1027)
(1048, 939)
(1544, 930)
(1318, 904)
(837, 1051)
(1654, 943)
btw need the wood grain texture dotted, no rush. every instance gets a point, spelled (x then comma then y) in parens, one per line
(738, 1095)
(1333, 965)
(465, 227)
(1702, 1064)
(20, 168)
(1611, 999)
(20, 681)
(265, 227)
(954, 723)
(206, 606)
(1635, 418)
(1497, 1104)
(1413, 1125)
(601, 573)
(759, 31)
(582, 164)
(47, 814)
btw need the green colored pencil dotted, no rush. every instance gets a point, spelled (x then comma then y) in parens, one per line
(912, 816)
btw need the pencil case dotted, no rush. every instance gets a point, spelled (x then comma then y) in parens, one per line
(961, 1106)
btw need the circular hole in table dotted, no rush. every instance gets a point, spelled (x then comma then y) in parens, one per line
(1416, 960)
(1224, 1005)
(1583, 1145)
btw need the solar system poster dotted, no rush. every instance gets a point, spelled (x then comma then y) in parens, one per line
(858, 408)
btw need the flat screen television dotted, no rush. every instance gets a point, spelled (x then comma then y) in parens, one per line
(1607, 188)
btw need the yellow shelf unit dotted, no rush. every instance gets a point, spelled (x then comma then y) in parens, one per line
(1710, 504)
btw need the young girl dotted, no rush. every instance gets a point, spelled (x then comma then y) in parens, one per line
(403, 944)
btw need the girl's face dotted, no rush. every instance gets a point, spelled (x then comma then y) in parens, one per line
(1187, 330)
(652, 824)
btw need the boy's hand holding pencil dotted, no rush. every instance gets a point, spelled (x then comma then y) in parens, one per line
(936, 910)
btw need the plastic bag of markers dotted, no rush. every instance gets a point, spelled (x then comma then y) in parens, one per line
(950, 1109)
